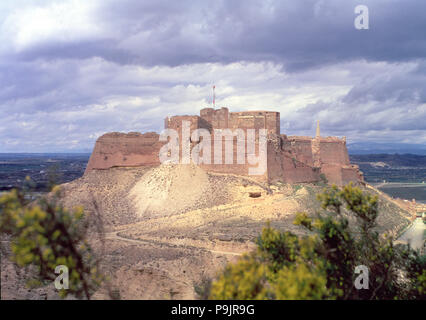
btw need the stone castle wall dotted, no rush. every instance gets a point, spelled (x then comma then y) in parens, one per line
(125, 150)
(300, 147)
(283, 165)
(333, 151)
(290, 159)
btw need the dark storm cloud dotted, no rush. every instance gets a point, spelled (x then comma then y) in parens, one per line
(391, 100)
(72, 70)
(403, 88)
(299, 34)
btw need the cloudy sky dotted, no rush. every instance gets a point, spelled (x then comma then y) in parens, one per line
(71, 70)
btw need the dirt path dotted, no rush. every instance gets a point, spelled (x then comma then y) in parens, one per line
(414, 234)
(115, 236)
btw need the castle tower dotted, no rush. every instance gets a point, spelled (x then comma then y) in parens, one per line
(317, 135)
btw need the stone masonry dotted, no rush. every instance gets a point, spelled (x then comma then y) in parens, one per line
(290, 159)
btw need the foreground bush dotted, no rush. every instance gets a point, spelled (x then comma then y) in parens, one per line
(46, 235)
(322, 265)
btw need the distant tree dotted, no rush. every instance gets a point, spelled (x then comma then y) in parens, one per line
(45, 235)
(322, 265)
(54, 176)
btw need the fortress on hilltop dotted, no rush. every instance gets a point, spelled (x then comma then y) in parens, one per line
(290, 159)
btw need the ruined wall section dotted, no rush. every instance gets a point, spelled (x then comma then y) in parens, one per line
(298, 172)
(333, 158)
(300, 147)
(283, 166)
(127, 150)
(327, 155)
(351, 173)
(332, 150)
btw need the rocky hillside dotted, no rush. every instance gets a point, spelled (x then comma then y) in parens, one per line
(168, 228)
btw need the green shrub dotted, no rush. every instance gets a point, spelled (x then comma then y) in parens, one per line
(45, 235)
(322, 264)
(323, 178)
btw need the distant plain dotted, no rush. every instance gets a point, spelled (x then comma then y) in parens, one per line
(402, 176)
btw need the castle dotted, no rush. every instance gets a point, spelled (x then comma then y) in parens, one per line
(289, 159)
